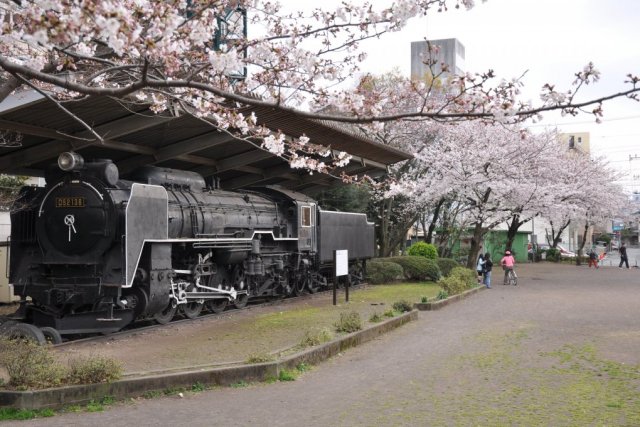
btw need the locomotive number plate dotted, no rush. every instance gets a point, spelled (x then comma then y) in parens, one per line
(70, 202)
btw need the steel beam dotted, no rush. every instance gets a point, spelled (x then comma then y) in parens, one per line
(61, 142)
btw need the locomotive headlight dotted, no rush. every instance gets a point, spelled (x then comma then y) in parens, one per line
(70, 161)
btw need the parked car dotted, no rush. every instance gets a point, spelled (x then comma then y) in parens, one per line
(541, 247)
(566, 253)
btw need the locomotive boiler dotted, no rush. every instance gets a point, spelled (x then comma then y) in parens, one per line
(91, 252)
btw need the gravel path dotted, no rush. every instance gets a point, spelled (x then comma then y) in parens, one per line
(561, 348)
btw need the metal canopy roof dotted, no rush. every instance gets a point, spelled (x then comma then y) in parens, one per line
(134, 136)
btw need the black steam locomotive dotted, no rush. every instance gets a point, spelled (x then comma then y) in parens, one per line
(92, 253)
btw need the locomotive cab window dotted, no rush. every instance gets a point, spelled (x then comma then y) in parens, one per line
(305, 216)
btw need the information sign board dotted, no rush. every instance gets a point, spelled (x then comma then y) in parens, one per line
(342, 262)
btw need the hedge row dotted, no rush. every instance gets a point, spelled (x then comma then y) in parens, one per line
(385, 270)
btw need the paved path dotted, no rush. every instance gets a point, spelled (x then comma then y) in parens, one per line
(561, 348)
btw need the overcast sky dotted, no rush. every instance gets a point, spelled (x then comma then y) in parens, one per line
(550, 40)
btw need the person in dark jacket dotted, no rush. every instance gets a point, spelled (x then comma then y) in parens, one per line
(623, 256)
(486, 272)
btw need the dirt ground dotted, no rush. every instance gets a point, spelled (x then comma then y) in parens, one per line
(238, 334)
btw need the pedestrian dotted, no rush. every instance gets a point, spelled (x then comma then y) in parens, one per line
(480, 267)
(623, 256)
(507, 262)
(593, 258)
(487, 270)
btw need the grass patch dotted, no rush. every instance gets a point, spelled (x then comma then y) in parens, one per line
(390, 293)
(7, 414)
(152, 394)
(239, 384)
(287, 375)
(172, 391)
(303, 367)
(316, 337)
(198, 387)
(376, 318)
(260, 358)
(94, 406)
(349, 322)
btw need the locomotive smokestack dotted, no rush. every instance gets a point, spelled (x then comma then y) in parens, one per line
(70, 161)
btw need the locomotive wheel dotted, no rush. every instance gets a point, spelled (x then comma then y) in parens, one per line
(27, 332)
(300, 284)
(241, 300)
(51, 335)
(165, 315)
(240, 285)
(4, 327)
(192, 309)
(217, 305)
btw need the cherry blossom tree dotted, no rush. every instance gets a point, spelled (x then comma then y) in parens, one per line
(584, 192)
(163, 54)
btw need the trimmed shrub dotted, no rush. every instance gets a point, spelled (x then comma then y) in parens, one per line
(553, 254)
(446, 265)
(97, 369)
(402, 306)
(349, 322)
(426, 250)
(32, 366)
(470, 277)
(29, 365)
(417, 268)
(460, 280)
(383, 272)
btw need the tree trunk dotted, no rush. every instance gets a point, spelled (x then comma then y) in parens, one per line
(584, 240)
(556, 237)
(514, 226)
(476, 245)
(434, 220)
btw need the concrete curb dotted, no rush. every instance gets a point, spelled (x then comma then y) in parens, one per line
(134, 387)
(437, 305)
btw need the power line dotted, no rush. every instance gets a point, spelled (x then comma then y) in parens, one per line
(613, 119)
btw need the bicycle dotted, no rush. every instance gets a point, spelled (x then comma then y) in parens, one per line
(512, 277)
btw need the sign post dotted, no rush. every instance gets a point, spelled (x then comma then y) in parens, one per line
(341, 265)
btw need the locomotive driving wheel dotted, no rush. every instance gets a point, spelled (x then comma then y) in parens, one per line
(163, 317)
(300, 284)
(192, 309)
(217, 305)
(240, 285)
(221, 280)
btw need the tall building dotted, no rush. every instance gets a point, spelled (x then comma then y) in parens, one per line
(450, 52)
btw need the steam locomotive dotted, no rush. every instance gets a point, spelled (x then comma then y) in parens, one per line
(91, 253)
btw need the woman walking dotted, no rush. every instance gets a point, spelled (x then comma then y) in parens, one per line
(487, 270)
(480, 267)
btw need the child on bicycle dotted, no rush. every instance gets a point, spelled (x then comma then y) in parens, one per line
(507, 262)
